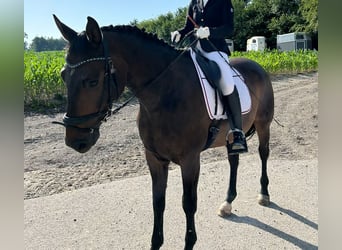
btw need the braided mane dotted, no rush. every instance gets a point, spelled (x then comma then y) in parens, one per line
(134, 30)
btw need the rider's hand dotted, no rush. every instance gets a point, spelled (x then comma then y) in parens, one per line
(175, 36)
(202, 32)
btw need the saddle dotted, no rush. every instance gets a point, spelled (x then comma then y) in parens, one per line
(210, 69)
(209, 75)
(212, 73)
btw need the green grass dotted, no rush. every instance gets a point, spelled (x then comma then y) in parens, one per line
(44, 88)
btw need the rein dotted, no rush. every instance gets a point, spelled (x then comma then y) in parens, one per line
(161, 74)
(158, 77)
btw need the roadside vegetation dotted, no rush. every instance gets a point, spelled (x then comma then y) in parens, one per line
(44, 88)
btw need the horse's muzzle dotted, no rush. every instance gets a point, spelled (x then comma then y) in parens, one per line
(81, 142)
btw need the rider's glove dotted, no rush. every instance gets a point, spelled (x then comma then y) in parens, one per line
(202, 32)
(175, 36)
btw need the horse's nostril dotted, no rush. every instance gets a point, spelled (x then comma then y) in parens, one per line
(81, 146)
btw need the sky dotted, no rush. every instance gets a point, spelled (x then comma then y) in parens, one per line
(38, 20)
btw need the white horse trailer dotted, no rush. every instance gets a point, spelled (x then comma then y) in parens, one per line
(256, 43)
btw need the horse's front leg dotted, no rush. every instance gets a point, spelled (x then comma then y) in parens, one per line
(159, 172)
(226, 207)
(190, 175)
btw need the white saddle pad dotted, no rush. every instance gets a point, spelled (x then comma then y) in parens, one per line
(209, 92)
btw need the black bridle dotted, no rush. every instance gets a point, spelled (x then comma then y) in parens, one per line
(110, 80)
(101, 115)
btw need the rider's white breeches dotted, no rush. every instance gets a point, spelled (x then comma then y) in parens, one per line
(226, 82)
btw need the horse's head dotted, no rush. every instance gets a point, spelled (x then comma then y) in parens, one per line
(91, 85)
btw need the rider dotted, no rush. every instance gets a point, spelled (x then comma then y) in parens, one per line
(212, 21)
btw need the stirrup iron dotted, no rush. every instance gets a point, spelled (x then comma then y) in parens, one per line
(239, 144)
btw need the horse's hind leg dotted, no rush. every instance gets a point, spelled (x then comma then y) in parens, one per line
(159, 172)
(190, 174)
(226, 207)
(264, 138)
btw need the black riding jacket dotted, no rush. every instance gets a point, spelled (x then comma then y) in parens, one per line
(218, 15)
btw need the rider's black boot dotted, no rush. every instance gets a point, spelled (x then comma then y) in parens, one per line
(233, 108)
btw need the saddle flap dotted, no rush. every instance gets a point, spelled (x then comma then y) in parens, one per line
(210, 69)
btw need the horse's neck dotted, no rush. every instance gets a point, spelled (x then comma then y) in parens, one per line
(145, 60)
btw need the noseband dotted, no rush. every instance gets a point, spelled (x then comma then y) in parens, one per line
(100, 116)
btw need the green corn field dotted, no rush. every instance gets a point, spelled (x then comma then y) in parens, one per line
(43, 85)
(289, 62)
(44, 88)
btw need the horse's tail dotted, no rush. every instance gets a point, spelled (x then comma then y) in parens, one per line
(249, 134)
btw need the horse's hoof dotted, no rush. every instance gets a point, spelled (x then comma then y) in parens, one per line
(264, 200)
(225, 209)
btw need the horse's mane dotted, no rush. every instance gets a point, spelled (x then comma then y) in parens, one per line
(139, 32)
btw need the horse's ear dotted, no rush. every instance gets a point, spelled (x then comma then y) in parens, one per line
(93, 31)
(68, 33)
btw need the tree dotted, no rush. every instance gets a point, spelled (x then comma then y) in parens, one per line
(134, 22)
(251, 19)
(39, 44)
(47, 44)
(241, 31)
(267, 18)
(164, 24)
(284, 17)
(309, 12)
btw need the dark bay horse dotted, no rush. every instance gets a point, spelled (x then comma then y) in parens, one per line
(173, 121)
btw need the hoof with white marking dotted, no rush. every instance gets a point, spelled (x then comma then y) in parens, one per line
(263, 200)
(225, 209)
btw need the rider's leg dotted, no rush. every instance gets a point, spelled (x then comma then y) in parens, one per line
(231, 102)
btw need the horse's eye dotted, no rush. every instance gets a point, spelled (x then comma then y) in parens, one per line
(92, 83)
(89, 83)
